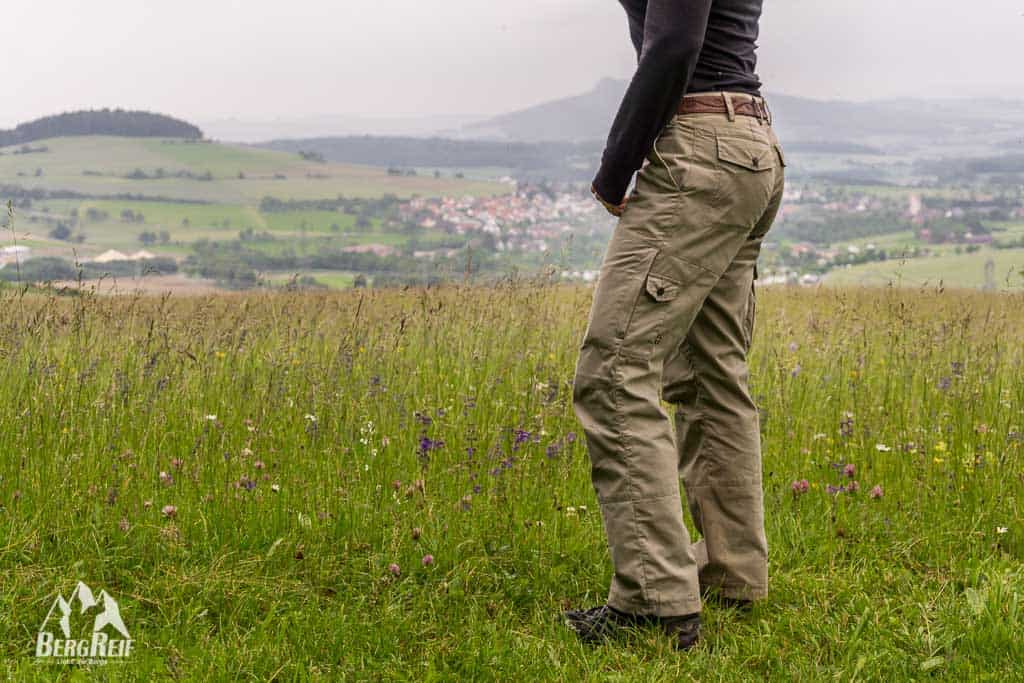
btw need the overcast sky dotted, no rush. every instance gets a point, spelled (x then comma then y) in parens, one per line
(256, 59)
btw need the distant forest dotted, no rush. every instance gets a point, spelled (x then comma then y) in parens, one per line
(135, 124)
(443, 152)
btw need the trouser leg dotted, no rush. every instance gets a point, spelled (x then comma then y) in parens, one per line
(718, 435)
(640, 303)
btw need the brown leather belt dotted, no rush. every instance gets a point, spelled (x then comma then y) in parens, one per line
(741, 105)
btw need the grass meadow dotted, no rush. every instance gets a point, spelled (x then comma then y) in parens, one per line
(391, 485)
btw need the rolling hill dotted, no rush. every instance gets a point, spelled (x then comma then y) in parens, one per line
(100, 122)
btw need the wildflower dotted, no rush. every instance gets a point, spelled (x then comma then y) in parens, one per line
(1001, 530)
(169, 510)
(834, 490)
(940, 447)
(246, 452)
(396, 485)
(793, 346)
(427, 444)
(957, 367)
(148, 504)
(882, 448)
(123, 524)
(276, 488)
(428, 560)
(853, 487)
(394, 569)
(945, 383)
(795, 371)
(177, 463)
(570, 437)
(846, 425)
(850, 470)
(166, 479)
(310, 418)
(876, 491)
(384, 441)
(521, 436)
(570, 510)
(416, 533)
(553, 449)
(258, 465)
(800, 487)
(211, 418)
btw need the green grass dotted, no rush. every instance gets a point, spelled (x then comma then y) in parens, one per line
(326, 396)
(961, 270)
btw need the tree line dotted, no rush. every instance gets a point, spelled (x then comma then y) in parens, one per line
(100, 122)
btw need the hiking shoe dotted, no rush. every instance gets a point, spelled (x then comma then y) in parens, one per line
(684, 630)
(598, 623)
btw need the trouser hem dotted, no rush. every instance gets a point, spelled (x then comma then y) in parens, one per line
(736, 591)
(672, 608)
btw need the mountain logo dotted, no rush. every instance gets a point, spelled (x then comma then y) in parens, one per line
(104, 637)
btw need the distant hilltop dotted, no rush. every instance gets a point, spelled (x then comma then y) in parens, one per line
(135, 124)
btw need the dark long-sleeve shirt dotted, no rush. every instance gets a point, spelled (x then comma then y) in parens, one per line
(682, 46)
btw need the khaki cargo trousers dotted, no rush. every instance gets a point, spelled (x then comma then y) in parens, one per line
(673, 315)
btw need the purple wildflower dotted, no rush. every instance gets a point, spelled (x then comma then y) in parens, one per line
(876, 492)
(169, 511)
(428, 560)
(945, 383)
(427, 444)
(834, 490)
(850, 470)
(394, 569)
(521, 436)
(800, 486)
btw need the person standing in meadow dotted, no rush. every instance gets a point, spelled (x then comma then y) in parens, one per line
(673, 316)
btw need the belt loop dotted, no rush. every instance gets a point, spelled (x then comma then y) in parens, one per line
(729, 108)
(767, 111)
(757, 110)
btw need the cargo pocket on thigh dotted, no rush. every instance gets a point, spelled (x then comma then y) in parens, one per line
(663, 284)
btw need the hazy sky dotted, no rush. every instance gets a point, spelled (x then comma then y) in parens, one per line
(257, 59)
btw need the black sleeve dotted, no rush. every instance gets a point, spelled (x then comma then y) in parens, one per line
(635, 11)
(673, 37)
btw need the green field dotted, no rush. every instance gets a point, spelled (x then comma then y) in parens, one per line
(307, 442)
(68, 159)
(961, 270)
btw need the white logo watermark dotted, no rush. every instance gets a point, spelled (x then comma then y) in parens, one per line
(107, 639)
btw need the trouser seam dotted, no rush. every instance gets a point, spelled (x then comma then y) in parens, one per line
(627, 453)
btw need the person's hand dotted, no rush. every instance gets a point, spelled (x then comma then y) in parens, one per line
(614, 209)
